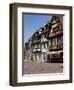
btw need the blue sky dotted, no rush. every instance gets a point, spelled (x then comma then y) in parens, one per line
(32, 22)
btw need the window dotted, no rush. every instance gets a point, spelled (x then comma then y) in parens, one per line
(35, 45)
(46, 45)
(50, 42)
(38, 45)
(60, 40)
(54, 41)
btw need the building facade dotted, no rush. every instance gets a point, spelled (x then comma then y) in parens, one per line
(46, 44)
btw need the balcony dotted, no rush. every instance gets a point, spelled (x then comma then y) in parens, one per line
(59, 32)
(55, 47)
(36, 41)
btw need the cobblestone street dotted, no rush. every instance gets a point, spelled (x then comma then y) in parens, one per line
(38, 68)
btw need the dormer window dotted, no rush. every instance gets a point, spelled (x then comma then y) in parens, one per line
(40, 31)
(35, 34)
(44, 27)
(53, 19)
